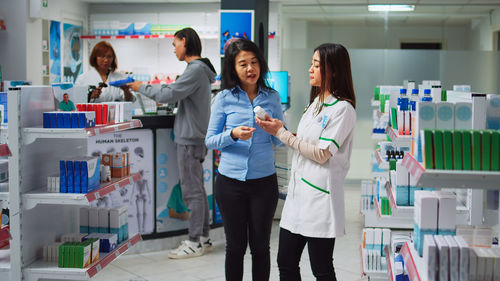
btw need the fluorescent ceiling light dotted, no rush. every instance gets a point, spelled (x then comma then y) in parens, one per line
(391, 8)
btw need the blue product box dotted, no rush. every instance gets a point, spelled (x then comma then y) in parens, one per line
(120, 83)
(46, 120)
(126, 28)
(412, 194)
(91, 166)
(67, 120)
(107, 241)
(77, 181)
(3, 101)
(60, 120)
(402, 195)
(81, 120)
(69, 176)
(74, 120)
(83, 177)
(89, 119)
(63, 188)
(53, 119)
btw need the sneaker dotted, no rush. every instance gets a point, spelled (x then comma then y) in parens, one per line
(187, 249)
(206, 243)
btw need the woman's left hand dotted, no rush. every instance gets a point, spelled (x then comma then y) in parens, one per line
(270, 125)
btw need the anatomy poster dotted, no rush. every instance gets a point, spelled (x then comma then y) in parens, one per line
(138, 196)
(73, 52)
(55, 52)
(171, 211)
(235, 24)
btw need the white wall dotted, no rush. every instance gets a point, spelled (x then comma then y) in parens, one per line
(481, 36)
(12, 41)
(375, 37)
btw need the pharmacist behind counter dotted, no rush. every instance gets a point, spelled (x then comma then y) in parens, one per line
(104, 64)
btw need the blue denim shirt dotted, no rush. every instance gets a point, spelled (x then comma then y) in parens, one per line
(243, 159)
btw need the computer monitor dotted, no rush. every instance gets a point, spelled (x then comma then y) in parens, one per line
(278, 80)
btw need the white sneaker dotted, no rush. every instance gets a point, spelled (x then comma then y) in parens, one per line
(206, 243)
(187, 249)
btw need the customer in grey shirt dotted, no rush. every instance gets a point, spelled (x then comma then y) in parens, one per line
(192, 92)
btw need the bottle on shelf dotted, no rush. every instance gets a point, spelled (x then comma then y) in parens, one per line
(403, 114)
(427, 96)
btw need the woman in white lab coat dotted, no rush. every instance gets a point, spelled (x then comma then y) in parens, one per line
(104, 64)
(314, 208)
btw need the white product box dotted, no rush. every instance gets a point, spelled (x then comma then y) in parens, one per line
(436, 93)
(447, 209)
(430, 258)
(84, 220)
(463, 115)
(472, 264)
(464, 258)
(401, 174)
(454, 258)
(493, 112)
(377, 234)
(426, 115)
(482, 256)
(478, 109)
(445, 115)
(93, 220)
(103, 220)
(426, 204)
(444, 258)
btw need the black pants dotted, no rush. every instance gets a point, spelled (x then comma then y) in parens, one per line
(247, 209)
(320, 254)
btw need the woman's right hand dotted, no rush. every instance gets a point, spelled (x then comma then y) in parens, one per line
(95, 93)
(242, 132)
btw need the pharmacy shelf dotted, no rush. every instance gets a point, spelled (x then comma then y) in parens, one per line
(153, 36)
(450, 178)
(382, 164)
(372, 218)
(374, 102)
(397, 140)
(31, 134)
(49, 270)
(4, 150)
(31, 199)
(372, 274)
(378, 136)
(413, 262)
(5, 263)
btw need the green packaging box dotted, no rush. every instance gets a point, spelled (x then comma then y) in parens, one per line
(428, 149)
(495, 150)
(457, 150)
(438, 149)
(476, 150)
(376, 93)
(467, 150)
(448, 149)
(486, 150)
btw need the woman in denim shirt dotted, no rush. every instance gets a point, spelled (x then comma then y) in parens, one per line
(246, 188)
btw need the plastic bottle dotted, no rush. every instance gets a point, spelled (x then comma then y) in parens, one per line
(414, 99)
(403, 116)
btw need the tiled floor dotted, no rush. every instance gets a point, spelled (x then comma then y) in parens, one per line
(155, 266)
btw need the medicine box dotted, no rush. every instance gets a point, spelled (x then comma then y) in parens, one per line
(425, 216)
(447, 206)
(430, 257)
(107, 241)
(444, 257)
(463, 115)
(84, 220)
(93, 220)
(103, 220)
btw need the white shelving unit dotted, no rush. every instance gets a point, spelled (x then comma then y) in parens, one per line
(372, 274)
(397, 140)
(38, 218)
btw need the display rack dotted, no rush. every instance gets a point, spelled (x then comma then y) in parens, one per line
(31, 134)
(49, 270)
(413, 262)
(397, 140)
(450, 178)
(37, 219)
(31, 199)
(372, 274)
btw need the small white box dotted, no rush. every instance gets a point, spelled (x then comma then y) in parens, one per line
(454, 258)
(377, 237)
(482, 256)
(444, 260)
(464, 258)
(472, 265)
(445, 115)
(103, 220)
(447, 212)
(84, 219)
(463, 115)
(479, 108)
(93, 220)
(430, 258)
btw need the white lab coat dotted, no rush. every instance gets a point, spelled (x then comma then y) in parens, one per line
(109, 93)
(314, 205)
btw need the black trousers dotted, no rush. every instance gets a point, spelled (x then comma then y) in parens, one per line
(320, 254)
(247, 209)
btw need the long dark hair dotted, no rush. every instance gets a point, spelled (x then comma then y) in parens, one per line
(336, 77)
(193, 42)
(229, 77)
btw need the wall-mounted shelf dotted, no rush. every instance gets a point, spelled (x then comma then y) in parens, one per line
(31, 134)
(31, 199)
(49, 270)
(153, 36)
(450, 178)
